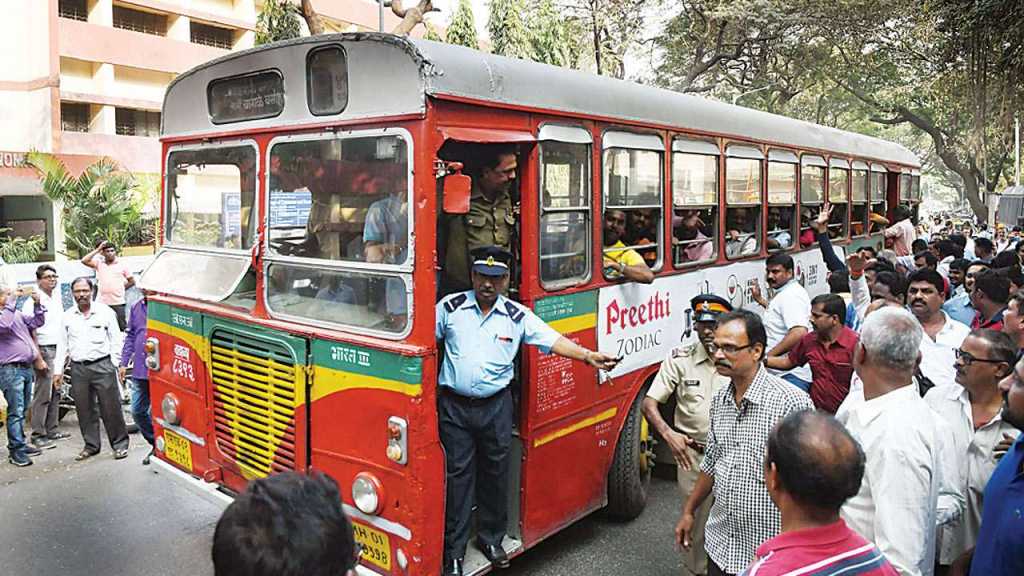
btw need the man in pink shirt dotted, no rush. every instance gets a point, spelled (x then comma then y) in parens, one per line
(812, 467)
(112, 276)
(902, 232)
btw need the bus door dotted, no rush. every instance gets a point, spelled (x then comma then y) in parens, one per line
(260, 393)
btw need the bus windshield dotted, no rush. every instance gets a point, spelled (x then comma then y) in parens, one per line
(210, 193)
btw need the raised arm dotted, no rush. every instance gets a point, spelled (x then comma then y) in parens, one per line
(88, 258)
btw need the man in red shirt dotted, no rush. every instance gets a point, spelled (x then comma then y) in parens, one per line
(812, 467)
(829, 351)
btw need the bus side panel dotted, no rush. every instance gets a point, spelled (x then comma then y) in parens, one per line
(355, 392)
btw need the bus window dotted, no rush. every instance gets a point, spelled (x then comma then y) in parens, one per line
(327, 80)
(781, 199)
(906, 195)
(633, 189)
(743, 201)
(694, 202)
(915, 186)
(838, 197)
(878, 191)
(565, 212)
(812, 194)
(211, 192)
(335, 201)
(859, 198)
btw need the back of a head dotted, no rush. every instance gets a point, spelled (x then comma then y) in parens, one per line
(1005, 259)
(995, 286)
(839, 282)
(892, 338)
(819, 465)
(288, 524)
(948, 248)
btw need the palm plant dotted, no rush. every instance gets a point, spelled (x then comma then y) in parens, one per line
(98, 205)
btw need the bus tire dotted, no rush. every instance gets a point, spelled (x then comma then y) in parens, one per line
(630, 473)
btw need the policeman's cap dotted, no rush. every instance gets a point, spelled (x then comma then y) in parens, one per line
(707, 307)
(491, 260)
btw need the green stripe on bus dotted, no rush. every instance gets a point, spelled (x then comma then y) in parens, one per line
(186, 320)
(367, 361)
(560, 307)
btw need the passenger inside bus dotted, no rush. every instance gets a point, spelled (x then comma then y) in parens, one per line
(642, 231)
(807, 215)
(740, 233)
(780, 219)
(693, 236)
(620, 261)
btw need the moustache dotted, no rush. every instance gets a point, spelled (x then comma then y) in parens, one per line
(723, 364)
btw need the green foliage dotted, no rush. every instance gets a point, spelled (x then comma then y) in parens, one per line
(462, 30)
(507, 29)
(18, 250)
(100, 204)
(277, 20)
(432, 33)
(554, 39)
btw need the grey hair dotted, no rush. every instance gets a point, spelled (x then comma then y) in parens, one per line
(892, 336)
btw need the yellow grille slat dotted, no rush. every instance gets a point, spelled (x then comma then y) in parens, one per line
(255, 396)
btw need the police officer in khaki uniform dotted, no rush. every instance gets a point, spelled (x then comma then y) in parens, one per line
(491, 219)
(689, 374)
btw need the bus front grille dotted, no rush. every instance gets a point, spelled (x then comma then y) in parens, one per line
(255, 385)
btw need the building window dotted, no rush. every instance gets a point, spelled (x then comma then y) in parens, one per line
(131, 122)
(212, 36)
(74, 117)
(139, 21)
(74, 9)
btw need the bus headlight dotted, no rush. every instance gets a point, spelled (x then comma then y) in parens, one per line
(366, 491)
(169, 406)
(152, 353)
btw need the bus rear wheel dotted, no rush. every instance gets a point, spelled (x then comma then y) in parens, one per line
(630, 472)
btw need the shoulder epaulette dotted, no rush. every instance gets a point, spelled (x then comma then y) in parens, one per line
(454, 302)
(515, 312)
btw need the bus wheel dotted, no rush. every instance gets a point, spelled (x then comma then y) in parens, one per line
(630, 472)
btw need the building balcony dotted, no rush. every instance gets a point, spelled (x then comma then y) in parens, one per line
(133, 153)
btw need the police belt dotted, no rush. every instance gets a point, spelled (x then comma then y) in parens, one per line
(448, 392)
(698, 447)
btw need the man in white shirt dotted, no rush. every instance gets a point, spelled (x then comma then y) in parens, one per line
(896, 505)
(973, 412)
(92, 338)
(787, 317)
(942, 336)
(46, 396)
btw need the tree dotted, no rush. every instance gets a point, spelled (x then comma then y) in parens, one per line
(98, 205)
(553, 37)
(410, 16)
(313, 20)
(462, 30)
(278, 20)
(432, 33)
(507, 29)
(613, 27)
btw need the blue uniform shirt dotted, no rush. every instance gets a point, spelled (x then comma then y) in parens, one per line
(479, 350)
(1000, 547)
(959, 308)
(387, 222)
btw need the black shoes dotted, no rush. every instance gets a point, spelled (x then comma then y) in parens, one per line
(21, 460)
(120, 454)
(31, 450)
(494, 554)
(43, 443)
(453, 567)
(58, 436)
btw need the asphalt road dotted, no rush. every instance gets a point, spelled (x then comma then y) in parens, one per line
(119, 518)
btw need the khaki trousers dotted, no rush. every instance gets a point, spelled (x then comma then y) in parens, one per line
(695, 558)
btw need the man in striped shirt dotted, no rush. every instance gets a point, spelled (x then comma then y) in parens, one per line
(812, 467)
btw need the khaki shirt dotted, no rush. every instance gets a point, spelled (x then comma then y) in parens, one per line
(486, 224)
(690, 373)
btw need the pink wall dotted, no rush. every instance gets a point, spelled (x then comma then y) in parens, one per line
(134, 153)
(96, 43)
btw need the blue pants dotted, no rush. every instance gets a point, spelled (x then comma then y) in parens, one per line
(141, 409)
(798, 382)
(16, 384)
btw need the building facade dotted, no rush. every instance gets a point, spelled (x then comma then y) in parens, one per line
(85, 79)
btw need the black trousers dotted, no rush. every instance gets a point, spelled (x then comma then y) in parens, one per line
(476, 435)
(714, 570)
(119, 312)
(92, 382)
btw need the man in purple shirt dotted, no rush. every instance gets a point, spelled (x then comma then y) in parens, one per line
(134, 353)
(17, 353)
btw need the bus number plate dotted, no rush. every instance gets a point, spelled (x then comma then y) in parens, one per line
(376, 545)
(178, 449)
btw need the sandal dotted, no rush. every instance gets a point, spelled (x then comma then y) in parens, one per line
(120, 454)
(85, 454)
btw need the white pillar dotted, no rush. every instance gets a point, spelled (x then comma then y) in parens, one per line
(59, 246)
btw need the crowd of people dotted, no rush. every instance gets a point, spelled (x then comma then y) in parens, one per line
(910, 461)
(96, 339)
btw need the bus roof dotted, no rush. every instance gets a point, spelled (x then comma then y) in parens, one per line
(416, 69)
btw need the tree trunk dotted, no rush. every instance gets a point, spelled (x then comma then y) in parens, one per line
(313, 21)
(410, 16)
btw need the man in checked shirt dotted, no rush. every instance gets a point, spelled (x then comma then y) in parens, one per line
(743, 415)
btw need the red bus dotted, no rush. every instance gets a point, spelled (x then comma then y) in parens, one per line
(276, 342)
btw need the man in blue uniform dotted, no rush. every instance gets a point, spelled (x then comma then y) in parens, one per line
(482, 332)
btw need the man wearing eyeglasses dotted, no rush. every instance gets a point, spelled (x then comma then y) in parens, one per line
(743, 415)
(46, 395)
(973, 412)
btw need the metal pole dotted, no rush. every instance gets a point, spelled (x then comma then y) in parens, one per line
(1016, 146)
(380, 15)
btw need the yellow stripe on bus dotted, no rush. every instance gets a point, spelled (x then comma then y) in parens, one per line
(585, 423)
(197, 342)
(327, 381)
(574, 324)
